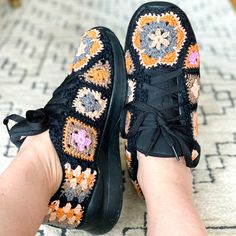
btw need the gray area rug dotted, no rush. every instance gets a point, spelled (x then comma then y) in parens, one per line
(37, 43)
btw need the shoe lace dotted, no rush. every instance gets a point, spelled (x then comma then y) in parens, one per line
(39, 120)
(171, 126)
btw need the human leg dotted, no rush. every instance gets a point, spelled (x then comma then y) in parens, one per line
(167, 188)
(27, 185)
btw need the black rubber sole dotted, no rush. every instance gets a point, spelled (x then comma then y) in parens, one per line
(106, 202)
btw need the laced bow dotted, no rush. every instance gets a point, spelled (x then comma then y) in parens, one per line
(38, 121)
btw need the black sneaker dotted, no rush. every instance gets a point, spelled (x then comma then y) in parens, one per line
(162, 63)
(83, 121)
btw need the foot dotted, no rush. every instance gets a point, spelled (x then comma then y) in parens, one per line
(44, 159)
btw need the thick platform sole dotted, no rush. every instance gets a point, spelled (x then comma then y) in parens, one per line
(106, 202)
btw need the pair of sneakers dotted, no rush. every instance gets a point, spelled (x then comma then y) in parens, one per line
(149, 93)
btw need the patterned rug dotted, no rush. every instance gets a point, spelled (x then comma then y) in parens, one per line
(37, 42)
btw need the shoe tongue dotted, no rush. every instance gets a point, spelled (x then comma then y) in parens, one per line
(159, 86)
(161, 147)
(163, 101)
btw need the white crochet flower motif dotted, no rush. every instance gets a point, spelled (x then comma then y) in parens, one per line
(158, 39)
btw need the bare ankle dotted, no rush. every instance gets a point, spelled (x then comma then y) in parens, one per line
(167, 188)
(163, 172)
(44, 156)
